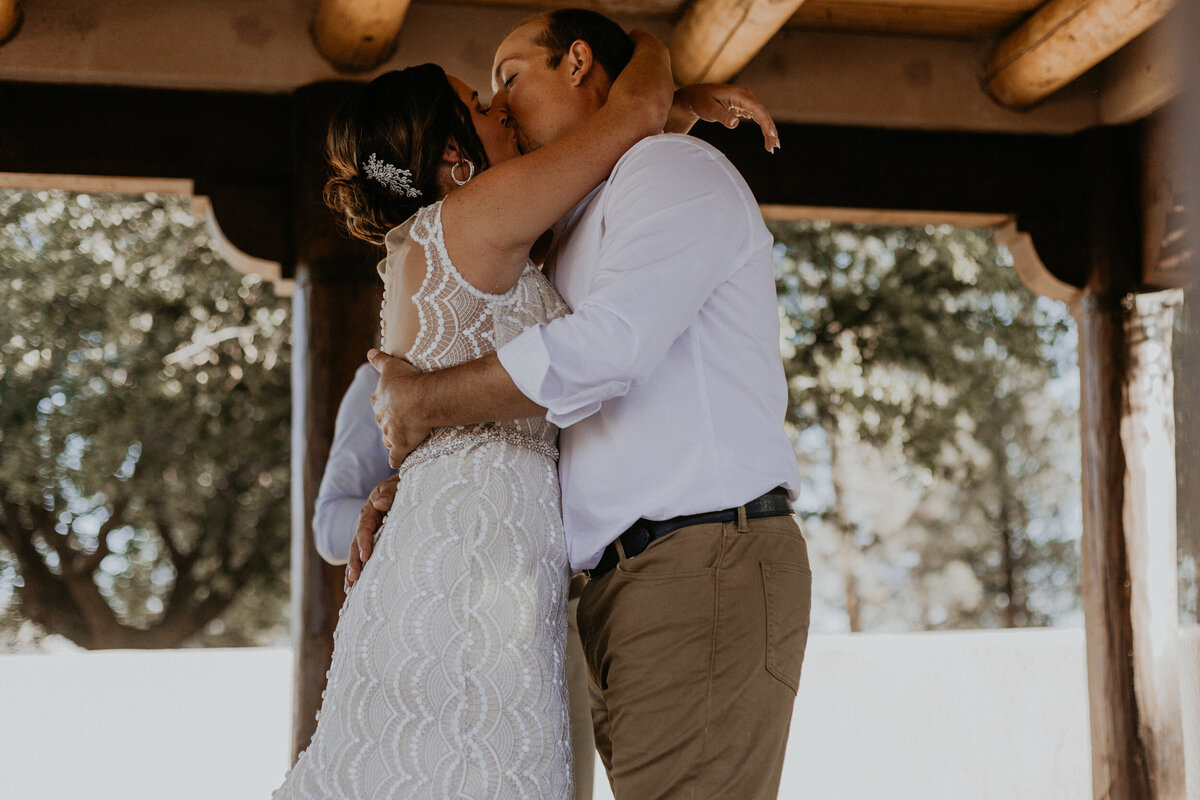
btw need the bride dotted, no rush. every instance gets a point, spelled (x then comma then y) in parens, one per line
(447, 678)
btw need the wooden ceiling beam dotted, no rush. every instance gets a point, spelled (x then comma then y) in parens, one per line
(1060, 42)
(10, 16)
(358, 35)
(966, 19)
(716, 38)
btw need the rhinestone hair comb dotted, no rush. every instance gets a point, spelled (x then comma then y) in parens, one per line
(393, 178)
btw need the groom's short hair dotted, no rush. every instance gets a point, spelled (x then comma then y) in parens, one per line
(611, 46)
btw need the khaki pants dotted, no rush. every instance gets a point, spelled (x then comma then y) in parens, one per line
(694, 649)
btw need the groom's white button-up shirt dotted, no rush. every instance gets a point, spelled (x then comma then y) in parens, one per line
(667, 378)
(357, 462)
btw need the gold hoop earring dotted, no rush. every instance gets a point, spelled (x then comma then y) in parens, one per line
(470, 172)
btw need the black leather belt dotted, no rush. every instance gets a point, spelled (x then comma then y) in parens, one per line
(640, 534)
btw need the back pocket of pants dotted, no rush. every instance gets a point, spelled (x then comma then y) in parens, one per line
(787, 589)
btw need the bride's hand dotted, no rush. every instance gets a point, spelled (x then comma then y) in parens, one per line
(721, 103)
(645, 86)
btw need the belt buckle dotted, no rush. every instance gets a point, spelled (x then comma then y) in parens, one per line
(635, 540)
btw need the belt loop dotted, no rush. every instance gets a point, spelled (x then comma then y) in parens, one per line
(742, 525)
(620, 548)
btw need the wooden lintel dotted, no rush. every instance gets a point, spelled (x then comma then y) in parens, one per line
(1031, 269)
(95, 183)
(884, 216)
(358, 35)
(270, 271)
(10, 18)
(238, 150)
(716, 38)
(1061, 41)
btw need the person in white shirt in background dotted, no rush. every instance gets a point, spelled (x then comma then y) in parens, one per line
(357, 491)
(675, 469)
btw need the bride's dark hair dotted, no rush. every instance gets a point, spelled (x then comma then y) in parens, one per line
(406, 118)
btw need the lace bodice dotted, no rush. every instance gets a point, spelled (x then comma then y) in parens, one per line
(458, 323)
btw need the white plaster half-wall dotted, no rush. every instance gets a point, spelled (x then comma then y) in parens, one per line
(986, 715)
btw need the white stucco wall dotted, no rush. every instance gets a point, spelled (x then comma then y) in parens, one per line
(980, 715)
(1189, 696)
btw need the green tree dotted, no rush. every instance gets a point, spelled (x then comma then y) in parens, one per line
(144, 427)
(944, 473)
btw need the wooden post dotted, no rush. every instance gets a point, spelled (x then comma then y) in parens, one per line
(336, 321)
(1136, 736)
(335, 325)
(1148, 438)
(1187, 121)
(1060, 42)
(358, 35)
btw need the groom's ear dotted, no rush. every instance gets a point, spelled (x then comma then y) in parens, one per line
(580, 62)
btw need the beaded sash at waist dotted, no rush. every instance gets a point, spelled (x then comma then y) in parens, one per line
(449, 440)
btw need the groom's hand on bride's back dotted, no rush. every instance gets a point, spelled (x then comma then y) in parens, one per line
(393, 401)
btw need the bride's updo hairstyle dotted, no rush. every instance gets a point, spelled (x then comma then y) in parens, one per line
(405, 118)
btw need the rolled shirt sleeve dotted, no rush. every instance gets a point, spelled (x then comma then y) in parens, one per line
(684, 217)
(334, 524)
(358, 461)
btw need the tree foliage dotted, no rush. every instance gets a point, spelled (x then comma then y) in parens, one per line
(935, 424)
(144, 427)
(144, 410)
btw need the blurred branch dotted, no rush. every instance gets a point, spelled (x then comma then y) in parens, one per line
(116, 519)
(45, 598)
(130, 354)
(43, 524)
(164, 532)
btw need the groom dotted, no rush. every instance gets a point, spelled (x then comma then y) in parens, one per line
(676, 471)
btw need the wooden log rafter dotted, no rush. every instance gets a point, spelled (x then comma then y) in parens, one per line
(716, 38)
(1060, 42)
(952, 18)
(357, 35)
(10, 18)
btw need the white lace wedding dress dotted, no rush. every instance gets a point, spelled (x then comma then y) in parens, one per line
(447, 678)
